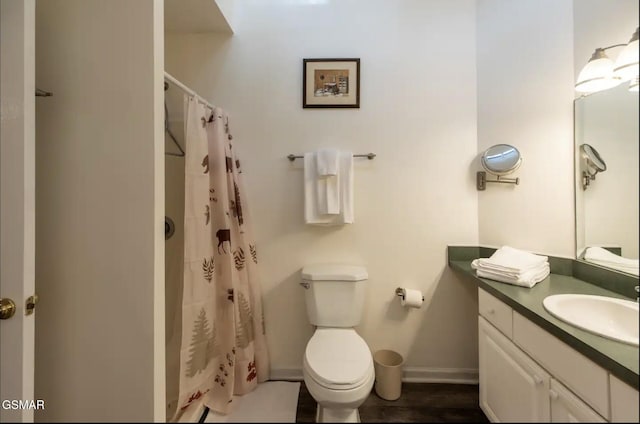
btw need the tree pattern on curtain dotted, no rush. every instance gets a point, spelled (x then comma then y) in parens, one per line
(222, 354)
(203, 345)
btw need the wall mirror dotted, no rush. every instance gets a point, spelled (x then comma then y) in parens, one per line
(606, 129)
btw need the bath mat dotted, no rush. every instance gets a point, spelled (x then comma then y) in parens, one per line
(270, 402)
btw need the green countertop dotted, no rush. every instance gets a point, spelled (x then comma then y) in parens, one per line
(618, 358)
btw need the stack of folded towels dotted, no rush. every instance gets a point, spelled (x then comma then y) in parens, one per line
(601, 256)
(513, 266)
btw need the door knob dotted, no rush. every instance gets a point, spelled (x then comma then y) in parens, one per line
(7, 308)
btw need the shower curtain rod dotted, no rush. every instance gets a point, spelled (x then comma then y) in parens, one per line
(177, 83)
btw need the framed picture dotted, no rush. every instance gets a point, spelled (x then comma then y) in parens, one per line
(331, 83)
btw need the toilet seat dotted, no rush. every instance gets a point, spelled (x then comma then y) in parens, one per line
(338, 358)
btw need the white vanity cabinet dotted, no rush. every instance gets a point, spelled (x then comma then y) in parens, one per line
(513, 388)
(529, 375)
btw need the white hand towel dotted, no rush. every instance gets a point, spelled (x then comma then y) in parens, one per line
(327, 162)
(311, 215)
(346, 188)
(328, 195)
(328, 181)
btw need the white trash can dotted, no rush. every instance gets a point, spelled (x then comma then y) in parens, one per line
(388, 369)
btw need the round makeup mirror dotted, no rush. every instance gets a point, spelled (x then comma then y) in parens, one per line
(594, 164)
(501, 159)
(593, 158)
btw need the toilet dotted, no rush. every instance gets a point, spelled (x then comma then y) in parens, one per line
(337, 366)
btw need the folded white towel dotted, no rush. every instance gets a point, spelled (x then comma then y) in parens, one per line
(603, 257)
(526, 279)
(513, 266)
(311, 215)
(327, 162)
(487, 266)
(328, 182)
(311, 212)
(511, 260)
(328, 195)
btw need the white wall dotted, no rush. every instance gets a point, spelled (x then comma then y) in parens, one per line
(100, 201)
(418, 114)
(525, 98)
(608, 210)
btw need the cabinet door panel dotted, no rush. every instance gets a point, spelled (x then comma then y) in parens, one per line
(624, 401)
(513, 388)
(568, 408)
(583, 376)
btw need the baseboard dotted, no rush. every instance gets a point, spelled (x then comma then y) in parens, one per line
(410, 375)
(286, 374)
(440, 375)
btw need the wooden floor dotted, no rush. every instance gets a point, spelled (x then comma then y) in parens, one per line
(418, 403)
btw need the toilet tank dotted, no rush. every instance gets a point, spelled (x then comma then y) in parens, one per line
(334, 294)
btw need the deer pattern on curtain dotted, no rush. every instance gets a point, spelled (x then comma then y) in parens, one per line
(223, 350)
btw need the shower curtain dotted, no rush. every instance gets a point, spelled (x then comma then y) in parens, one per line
(223, 349)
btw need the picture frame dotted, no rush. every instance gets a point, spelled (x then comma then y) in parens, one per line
(331, 83)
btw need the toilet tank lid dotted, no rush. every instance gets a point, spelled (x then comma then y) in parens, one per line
(334, 272)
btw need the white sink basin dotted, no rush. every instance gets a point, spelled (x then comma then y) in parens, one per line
(615, 319)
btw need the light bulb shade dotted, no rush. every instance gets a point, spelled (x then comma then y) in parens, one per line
(626, 66)
(634, 84)
(597, 74)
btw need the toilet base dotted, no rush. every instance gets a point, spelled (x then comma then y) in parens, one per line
(343, 415)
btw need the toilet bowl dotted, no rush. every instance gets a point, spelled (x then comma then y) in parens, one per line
(338, 372)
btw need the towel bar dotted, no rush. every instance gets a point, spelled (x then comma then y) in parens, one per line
(369, 156)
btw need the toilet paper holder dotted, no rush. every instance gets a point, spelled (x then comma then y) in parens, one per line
(400, 292)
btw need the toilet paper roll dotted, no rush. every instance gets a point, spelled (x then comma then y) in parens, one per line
(411, 298)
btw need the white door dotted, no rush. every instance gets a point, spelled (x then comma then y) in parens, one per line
(513, 388)
(17, 206)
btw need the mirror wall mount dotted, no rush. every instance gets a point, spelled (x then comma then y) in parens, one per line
(499, 160)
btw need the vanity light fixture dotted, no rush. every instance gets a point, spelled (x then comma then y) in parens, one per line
(626, 66)
(601, 73)
(597, 74)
